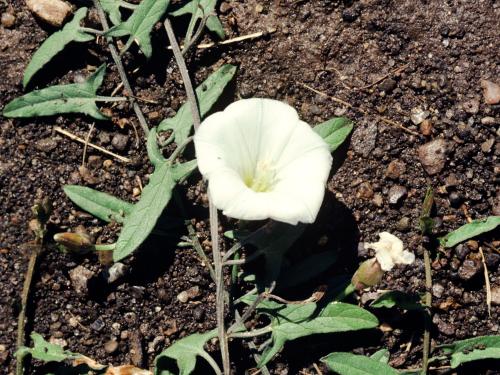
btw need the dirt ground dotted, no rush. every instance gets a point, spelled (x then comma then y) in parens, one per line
(433, 55)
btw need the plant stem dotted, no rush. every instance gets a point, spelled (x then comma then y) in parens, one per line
(91, 31)
(199, 251)
(211, 362)
(111, 99)
(121, 69)
(126, 5)
(105, 247)
(428, 302)
(253, 333)
(179, 149)
(21, 322)
(185, 75)
(214, 226)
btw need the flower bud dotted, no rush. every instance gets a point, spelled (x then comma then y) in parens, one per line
(368, 274)
(77, 242)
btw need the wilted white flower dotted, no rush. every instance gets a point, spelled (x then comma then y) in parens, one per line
(389, 251)
(261, 161)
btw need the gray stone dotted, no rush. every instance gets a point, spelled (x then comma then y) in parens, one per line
(364, 139)
(54, 12)
(111, 346)
(396, 193)
(8, 20)
(79, 277)
(115, 272)
(437, 290)
(46, 144)
(119, 141)
(491, 92)
(432, 155)
(469, 269)
(495, 295)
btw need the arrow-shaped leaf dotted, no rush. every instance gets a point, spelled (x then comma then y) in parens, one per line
(207, 93)
(102, 205)
(140, 24)
(45, 351)
(55, 43)
(155, 197)
(198, 9)
(112, 8)
(184, 352)
(352, 364)
(72, 98)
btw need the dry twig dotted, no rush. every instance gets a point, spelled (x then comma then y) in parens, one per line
(81, 140)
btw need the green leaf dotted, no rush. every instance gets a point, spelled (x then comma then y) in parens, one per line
(381, 355)
(292, 321)
(198, 9)
(155, 197)
(154, 153)
(72, 98)
(334, 131)
(102, 205)
(55, 43)
(112, 8)
(140, 24)
(399, 299)
(45, 351)
(482, 347)
(207, 93)
(184, 352)
(352, 364)
(470, 230)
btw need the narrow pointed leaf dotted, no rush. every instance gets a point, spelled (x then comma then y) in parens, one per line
(55, 43)
(352, 364)
(72, 98)
(477, 348)
(155, 197)
(102, 205)
(334, 131)
(184, 352)
(198, 9)
(141, 23)
(470, 230)
(207, 93)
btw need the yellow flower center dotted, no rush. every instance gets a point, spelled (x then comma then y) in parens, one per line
(262, 179)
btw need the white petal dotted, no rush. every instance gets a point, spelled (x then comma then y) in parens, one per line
(389, 251)
(232, 143)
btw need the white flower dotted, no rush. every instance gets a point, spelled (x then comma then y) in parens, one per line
(261, 161)
(389, 251)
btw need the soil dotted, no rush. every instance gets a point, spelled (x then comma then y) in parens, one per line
(432, 56)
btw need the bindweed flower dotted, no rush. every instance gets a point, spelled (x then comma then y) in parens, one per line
(389, 251)
(261, 161)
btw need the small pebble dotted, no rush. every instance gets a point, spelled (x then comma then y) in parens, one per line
(111, 346)
(98, 325)
(388, 85)
(491, 92)
(188, 294)
(365, 191)
(469, 269)
(79, 277)
(396, 193)
(488, 120)
(471, 106)
(432, 155)
(395, 169)
(8, 20)
(198, 313)
(54, 12)
(418, 115)
(225, 7)
(119, 141)
(455, 199)
(350, 14)
(495, 295)
(403, 224)
(364, 139)
(426, 128)
(115, 272)
(259, 8)
(487, 145)
(378, 200)
(437, 290)
(95, 161)
(46, 144)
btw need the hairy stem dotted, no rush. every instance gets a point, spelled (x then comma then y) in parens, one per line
(428, 302)
(214, 225)
(252, 333)
(21, 322)
(121, 69)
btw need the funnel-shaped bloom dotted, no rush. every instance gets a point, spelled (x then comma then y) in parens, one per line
(389, 251)
(261, 161)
